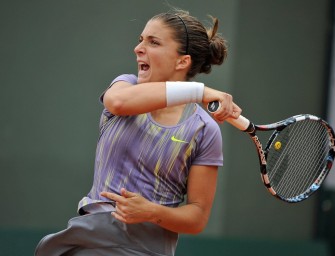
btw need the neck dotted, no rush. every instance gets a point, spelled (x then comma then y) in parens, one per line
(169, 115)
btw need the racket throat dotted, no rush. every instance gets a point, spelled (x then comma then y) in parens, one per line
(260, 151)
(251, 129)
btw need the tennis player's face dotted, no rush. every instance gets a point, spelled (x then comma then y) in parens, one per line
(156, 53)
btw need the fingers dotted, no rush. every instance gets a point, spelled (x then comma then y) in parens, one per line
(236, 111)
(118, 214)
(127, 194)
(111, 196)
(228, 109)
(119, 202)
(129, 207)
(118, 217)
(115, 197)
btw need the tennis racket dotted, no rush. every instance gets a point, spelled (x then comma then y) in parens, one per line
(298, 155)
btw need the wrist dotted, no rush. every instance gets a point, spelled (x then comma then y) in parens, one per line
(155, 217)
(178, 93)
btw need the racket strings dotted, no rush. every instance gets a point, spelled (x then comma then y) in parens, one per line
(293, 182)
(293, 167)
(304, 164)
(298, 183)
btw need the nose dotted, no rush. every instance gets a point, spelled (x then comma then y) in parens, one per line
(139, 48)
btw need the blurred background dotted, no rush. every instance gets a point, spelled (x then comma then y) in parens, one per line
(57, 57)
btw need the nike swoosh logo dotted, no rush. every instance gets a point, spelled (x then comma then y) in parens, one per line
(173, 138)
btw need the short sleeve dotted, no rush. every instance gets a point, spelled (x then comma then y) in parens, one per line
(210, 145)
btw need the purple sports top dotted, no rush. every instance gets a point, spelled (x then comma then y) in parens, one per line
(151, 159)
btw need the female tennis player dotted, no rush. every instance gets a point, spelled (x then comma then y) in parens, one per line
(156, 146)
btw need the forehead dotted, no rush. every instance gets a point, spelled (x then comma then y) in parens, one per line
(157, 28)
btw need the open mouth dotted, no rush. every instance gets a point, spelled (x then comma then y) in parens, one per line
(144, 67)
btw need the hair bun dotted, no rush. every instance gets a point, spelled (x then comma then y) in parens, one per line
(217, 48)
(217, 44)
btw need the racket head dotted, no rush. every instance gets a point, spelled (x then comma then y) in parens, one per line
(298, 157)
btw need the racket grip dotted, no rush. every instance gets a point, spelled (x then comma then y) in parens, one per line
(240, 123)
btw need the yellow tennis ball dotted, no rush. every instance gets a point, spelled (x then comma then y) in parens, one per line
(278, 145)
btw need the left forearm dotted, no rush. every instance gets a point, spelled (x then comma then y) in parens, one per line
(187, 219)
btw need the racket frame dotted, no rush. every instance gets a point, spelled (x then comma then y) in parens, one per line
(250, 128)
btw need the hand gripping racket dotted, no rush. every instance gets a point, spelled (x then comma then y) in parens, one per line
(298, 156)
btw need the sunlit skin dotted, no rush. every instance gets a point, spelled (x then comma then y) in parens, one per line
(158, 50)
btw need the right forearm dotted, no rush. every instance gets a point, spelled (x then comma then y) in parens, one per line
(122, 99)
(138, 99)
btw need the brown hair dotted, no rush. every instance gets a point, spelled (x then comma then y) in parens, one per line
(204, 45)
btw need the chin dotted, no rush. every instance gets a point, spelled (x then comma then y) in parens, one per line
(141, 79)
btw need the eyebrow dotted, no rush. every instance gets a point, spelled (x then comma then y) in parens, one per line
(151, 37)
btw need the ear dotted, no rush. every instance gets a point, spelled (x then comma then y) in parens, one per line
(183, 62)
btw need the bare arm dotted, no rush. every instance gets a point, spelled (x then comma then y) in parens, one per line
(126, 99)
(189, 218)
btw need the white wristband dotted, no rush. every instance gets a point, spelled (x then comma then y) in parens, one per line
(178, 93)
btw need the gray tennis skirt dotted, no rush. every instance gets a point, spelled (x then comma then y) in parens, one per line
(101, 234)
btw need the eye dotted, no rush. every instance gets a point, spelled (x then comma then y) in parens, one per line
(140, 39)
(154, 42)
